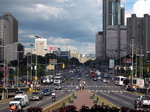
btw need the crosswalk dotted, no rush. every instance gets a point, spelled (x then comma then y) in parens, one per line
(95, 91)
(51, 86)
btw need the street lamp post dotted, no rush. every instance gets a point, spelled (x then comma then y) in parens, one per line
(36, 63)
(27, 68)
(31, 61)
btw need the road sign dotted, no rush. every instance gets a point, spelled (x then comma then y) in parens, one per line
(53, 61)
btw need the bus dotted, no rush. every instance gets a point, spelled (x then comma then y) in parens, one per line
(48, 79)
(58, 79)
(119, 80)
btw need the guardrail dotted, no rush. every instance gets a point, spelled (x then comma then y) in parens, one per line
(5, 93)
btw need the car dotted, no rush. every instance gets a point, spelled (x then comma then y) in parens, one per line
(36, 96)
(72, 78)
(105, 80)
(99, 77)
(143, 101)
(95, 79)
(78, 78)
(58, 87)
(20, 92)
(47, 92)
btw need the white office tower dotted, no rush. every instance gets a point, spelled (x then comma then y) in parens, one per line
(40, 46)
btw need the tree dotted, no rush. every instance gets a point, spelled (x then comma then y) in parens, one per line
(75, 61)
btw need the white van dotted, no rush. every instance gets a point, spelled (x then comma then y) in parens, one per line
(25, 99)
(138, 82)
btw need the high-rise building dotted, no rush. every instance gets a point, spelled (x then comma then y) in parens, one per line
(114, 31)
(122, 16)
(8, 37)
(40, 46)
(99, 46)
(138, 31)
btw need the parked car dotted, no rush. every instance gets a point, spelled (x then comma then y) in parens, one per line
(36, 96)
(47, 92)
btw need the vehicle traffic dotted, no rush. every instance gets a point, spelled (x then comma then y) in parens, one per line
(142, 101)
(36, 96)
(119, 80)
(48, 79)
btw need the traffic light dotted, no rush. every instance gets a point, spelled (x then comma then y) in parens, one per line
(63, 65)
(147, 69)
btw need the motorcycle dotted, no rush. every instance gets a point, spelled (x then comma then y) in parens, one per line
(15, 108)
(53, 98)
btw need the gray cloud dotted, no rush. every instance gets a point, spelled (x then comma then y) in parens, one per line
(74, 20)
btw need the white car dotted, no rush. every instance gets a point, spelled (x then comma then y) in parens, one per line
(58, 87)
(105, 80)
(99, 78)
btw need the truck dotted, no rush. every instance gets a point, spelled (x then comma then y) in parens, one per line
(21, 99)
(138, 83)
(142, 101)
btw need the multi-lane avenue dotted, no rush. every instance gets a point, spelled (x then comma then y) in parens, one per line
(108, 91)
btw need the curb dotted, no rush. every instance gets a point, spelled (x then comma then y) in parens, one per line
(102, 100)
(57, 104)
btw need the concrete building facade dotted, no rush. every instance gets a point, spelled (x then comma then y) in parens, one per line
(138, 31)
(114, 31)
(75, 55)
(8, 38)
(40, 46)
(116, 42)
(99, 46)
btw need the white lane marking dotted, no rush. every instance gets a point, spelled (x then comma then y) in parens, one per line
(127, 103)
(109, 96)
(125, 96)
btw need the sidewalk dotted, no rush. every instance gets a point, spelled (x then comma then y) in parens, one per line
(83, 98)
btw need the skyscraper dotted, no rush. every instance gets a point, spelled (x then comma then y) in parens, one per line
(8, 37)
(138, 29)
(114, 31)
(40, 46)
(99, 46)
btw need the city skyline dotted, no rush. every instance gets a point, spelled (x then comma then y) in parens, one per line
(64, 23)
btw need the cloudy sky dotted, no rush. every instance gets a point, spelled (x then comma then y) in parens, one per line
(68, 24)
